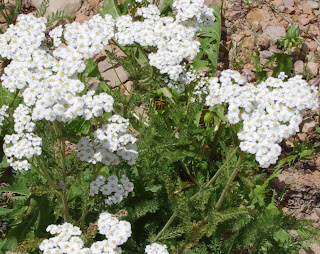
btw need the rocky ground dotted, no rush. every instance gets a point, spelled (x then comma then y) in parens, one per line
(250, 25)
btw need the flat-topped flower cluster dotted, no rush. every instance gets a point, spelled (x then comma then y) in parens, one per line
(112, 138)
(114, 190)
(47, 77)
(67, 237)
(270, 111)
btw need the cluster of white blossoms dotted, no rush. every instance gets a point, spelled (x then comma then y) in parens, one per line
(110, 142)
(113, 189)
(24, 144)
(156, 248)
(67, 239)
(173, 37)
(271, 111)
(3, 113)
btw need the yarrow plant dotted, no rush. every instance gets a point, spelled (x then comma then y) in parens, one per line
(270, 111)
(76, 142)
(119, 190)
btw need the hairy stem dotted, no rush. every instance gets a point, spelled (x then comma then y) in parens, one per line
(218, 204)
(216, 175)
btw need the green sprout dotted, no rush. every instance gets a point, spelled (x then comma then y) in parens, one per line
(292, 39)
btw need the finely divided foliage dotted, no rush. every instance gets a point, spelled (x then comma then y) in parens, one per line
(49, 70)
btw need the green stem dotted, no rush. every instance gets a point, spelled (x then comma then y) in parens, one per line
(59, 133)
(216, 175)
(173, 216)
(45, 176)
(218, 204)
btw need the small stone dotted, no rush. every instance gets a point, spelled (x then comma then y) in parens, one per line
(237, 37)
(70, 6)
(308, 124)
(288, 3)
(80, 18)
(299, 67)
(263, 43)
(314, 5)
(313, 68)
(248, 75)
(317, 211)
(302, 251)
(265, 54)
(115, 75)
(126, 87)
(255, 15)
(277, 3)
(273, 33)
(314, 216)
(302, 136)
(291, 10)
(304, 21)
(282, 8)
(306, 8)
(248, 43)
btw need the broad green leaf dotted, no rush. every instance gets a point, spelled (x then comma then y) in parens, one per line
(110, 7)
(154, 188)
(16, 189)
(166, 8)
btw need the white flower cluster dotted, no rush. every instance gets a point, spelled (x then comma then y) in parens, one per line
(270, 111)
(67, 238)
(20, 40)
(118, 190)
(49, 82)
(24, 145)
(156, 248)
(112, 137)
(3, 113)
(195, 12)
(173, 37)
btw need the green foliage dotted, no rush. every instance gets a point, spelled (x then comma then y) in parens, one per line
(110, 7)
(292, 38)
(56, 16)
(15, 10)
(43, 8)
(300, 151)
(280, 62)
(210, 44)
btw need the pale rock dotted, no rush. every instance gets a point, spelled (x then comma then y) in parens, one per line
(263, 43)
(314, 216)
(288, 3)
(317, 211)
(291, 10)
(299, 67)
(126, 87)
(273, 33)
(255, 15)
(313, 4)
(302, 136)
(68, 6)
(308, 124)
(302, 251)
(282, 8)
(248, 75)
(265, 54)
(304, 21)
(236, 37)
(306, 8)
(112, 73)
(80, 18)
(277, 3)
(313, 68)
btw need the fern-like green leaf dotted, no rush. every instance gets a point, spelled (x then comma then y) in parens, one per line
(43, 8)
(59, 15)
